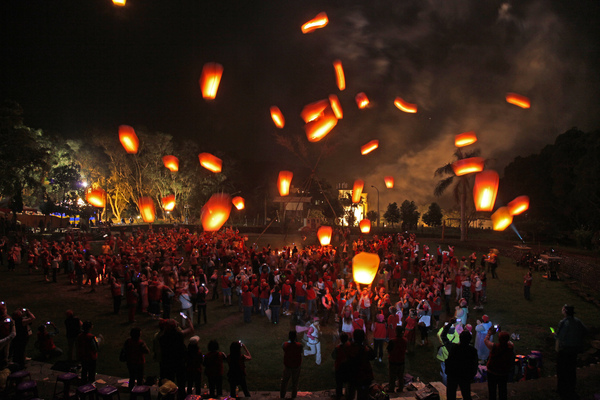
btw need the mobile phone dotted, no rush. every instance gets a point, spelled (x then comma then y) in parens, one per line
(183, 315)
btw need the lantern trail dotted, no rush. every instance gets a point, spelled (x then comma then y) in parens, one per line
(357, 189)
(405, 106)
(277, 117)
(336, 107)
(340, 78)
(317, 22)
(369, 147)
(518, 205)
(210, 79)
(518, 100)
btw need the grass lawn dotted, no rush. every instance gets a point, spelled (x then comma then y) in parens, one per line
(506, 306)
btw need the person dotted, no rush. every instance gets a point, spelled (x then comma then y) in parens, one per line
(247, 303)
(45, 341)
(213, 369)
(23, 319)
(292, 362)
(135, 350)
(73, 329)
(500, 363)
(314, 340)
(115, 290)
(7, 334)
(461, 367)
(193, 365)
(482, 328)
(131, 294)
(201, 301)
(569, 337)
(396, 349)
(172, 351)
(237, 368)
(360, 356)
(448, 337)
(527, 281)
(87, 352)
(379, 328)
(275, 304)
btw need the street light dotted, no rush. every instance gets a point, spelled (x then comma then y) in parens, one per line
(377, 204)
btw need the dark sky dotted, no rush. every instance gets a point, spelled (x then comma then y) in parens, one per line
(79, 65)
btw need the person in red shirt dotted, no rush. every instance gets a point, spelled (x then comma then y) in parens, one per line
(396, 357)
(213, 368)
(410, 327)
(135, 350)
(379, 329)
(247, 303)
(87, 353)
(292, 361)
(286, 295)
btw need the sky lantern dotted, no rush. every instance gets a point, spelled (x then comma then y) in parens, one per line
(284, 181)
(128, 139)
(277, 117)
(364, 267)
(485, 190)
(320, 21)
(518, 205)
(518, 100)
(146, 206)
(210, 79)
(362, 100)
(96, 197)
(168, 202)
(465, 139)
(339, 75)
(405, 106)
(171, 162)
(216, 212)
(120, 3)
(369, 147)
(324, 234)
(320, 127)
(501, 219)
(238, 202)
(389, 182)
(468, 166)
(210, 162)
(312, 111)
(336, 107)
(365, 226)
(357, 189)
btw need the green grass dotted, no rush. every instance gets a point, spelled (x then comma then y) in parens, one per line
(505, 306)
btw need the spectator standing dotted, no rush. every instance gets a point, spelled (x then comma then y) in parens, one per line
(314, 340)
(213, 369)
(569, 337)
(87, 353)
(237, 368)
(379, 329)
(500, 364)
(193, 365)
(362, 372)
(292, 362)
(23, 320)
(73, 329)
(275, 304)
(45, 341)
(461, 367)
(527, 281)
(482, 328)
(396, 357)
(341, 365)
(135, 350)
(201, 301)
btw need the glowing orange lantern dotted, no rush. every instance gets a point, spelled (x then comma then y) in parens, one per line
(171, 162)
(362, 100)
(389, 182)
(312, 111)
(336, 107)
(364, 267)
(96, 197)
(465, 139)
(128, 139)
(324, 234)
(320, 127)
(518, 100)
(369, 147)
(119, 2)
(146, 206)
(238, 202)
(210, 79)
(317, 22)
(365, 226)
(339, 75)
(501, 219)
(216, 212)
(357, 190)
(168, 202)
(284, 181)
(518, 205)
(405, 106)
(277, 117)
(210, 162)
(485, 190)
(468, 166)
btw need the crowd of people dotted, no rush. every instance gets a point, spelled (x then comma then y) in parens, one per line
(158, 271)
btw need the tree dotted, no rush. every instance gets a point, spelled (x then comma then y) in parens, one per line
(433, 217)
(372, 216)
(462, 189)
(350, 216)
(409, 215)
(392, 215)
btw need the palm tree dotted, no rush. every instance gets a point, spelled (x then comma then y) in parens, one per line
(462, 189)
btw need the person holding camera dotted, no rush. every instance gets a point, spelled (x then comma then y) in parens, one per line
(461, 367)
(23, 319)
(45, 341)
(500, 363)
(237, 368)
(87, 352)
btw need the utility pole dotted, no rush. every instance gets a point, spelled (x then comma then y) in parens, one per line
(378, 216)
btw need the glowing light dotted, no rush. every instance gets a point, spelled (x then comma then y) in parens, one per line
(210, 80)
(336, 106)
(364, 267)
(485, 190)
(171, 162)
(284, 181)
(216, 212)
(120, 3)
(465, 139)
(168, 202)
(369, 147)
(518, 100)
(324, 234)
(277, 117)
(317, 22)
(210, 162)
(518, 205)
(320, 127)
(468, 166)
(365, 226)
(96, 197)
(501, 219)
(146, 206)
(339, 75)
(238, 202)
(405, 106)
(389, 182)
(312, 111)
(357, 189)
(362, 101)
(128, 139)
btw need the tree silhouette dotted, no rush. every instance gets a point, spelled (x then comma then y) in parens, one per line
(392, 215)
(433, 217)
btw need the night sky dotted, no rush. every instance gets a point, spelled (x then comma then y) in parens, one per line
(77, 66)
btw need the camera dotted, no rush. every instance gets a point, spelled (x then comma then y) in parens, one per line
(48, 323)
(24, 310)
(497, 328)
